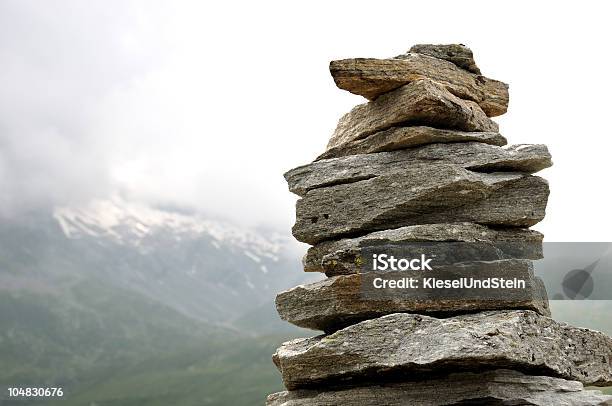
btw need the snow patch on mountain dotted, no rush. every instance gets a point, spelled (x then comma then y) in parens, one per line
(131, 224)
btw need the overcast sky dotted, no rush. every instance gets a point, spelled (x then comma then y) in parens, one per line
(205, 104)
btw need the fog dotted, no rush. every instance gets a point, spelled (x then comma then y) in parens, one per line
(204, 104)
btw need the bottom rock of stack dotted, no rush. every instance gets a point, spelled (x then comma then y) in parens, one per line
(497, 387)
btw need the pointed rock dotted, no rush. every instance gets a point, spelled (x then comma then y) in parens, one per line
(340, 301)
(407, 137)
(421, 194)
(346, 256)
(372, 78)
(497, 387)
(458, 54)
(422, 102)
(528, 158)
(404, 345)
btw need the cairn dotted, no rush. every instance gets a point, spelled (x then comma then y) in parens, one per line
(421, 168)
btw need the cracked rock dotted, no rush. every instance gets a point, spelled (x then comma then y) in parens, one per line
(407, 345)
(346, 256)
(339, 301)
(497, 388)
(396, 138)
(458, 54)
(478, 157)
(371, 78)
(422, 102)
(420, 194)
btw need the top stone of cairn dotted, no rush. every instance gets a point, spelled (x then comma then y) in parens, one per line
(452, 66)
(458, 54)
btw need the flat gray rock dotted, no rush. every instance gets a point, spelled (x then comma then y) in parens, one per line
(401, 346)
(458, 54)
(497, 387)
(408, 137)
(479, 157)
(420, 194)
(339, 301)
(422, 102)
(371, 78)
(346, 256)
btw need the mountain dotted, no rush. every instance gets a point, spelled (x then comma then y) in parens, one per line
(205, 269)
(127, 305)
(94, 297)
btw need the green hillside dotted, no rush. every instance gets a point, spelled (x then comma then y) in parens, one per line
(108, 346)
(238, 372)
(105, 346)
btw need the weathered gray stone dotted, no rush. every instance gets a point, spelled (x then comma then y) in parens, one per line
(345, 256)
(528, 158)
(493, 388)
(402, 345)
(458, 54)
(422, 102)
(340, 301)
(407, 137)
(372, 78)
(420, 194)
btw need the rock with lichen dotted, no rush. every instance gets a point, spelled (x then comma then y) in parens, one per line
(420, 172)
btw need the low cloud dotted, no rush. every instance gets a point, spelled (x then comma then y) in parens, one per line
(143, 100)
(203, 105)
(59, 60)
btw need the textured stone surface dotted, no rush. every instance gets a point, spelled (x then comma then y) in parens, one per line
(498, 387)
(344, 257)
(405, 137)
(458, 54)
(339, 301)
(421, 194)
(404, 345)
(422, 102)
(371, 78)
(470, 155)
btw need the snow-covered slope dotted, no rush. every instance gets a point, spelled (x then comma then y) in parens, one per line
(205, 268)
(131, 224)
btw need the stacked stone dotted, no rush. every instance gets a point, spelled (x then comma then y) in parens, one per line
(422, 162)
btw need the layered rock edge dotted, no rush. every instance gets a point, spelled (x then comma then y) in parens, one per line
(401, 346)
(475, 156)
(344, 256)
(458, 54)
(371, 78)
(422, 102)
(420, 194)
(496, 387)
(340, 301)
(397, 138)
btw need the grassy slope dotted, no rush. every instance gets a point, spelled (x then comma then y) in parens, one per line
(108, 347)
(239, 372)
